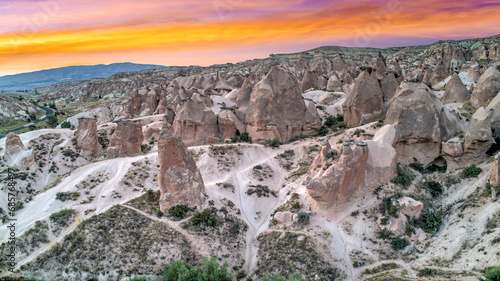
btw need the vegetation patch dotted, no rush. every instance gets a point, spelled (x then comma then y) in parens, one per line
(285, 253)
(149, 202)
(404, 176)
(119, 240)
(61, 219)
(471, 172)
(261, 190)
(63, 196)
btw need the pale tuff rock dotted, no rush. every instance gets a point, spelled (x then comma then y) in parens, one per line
(364, 100)
(411, 207)
(179, 178)
(495, 174)
(126, 139)
(422, 122)
(487, 87)
(474, 71)
(16, 154)
(382, 156)
(87, 138)
(494, 109)
(455, 92)
(340, 182)
(396, 225)
(389, 84)
(360, 169)
(276, 109)
(334, 83)
(283, 217)
(441, 71)
(195, 123)
(380, 66)
(478, 139)
(228, 124)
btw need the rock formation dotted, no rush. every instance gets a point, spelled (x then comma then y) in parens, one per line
(15, 152)
(389, 84)
(494, 109)
(334, 83)
(422, 122)
(195, 123)
(228, 124)
(126, 139)
(87, 138)
(455, 91)
(487, 88)
(342, 181)
(397, 226)
(360, 169)
(179, 178)
(410, 207)
(364, 100)
(478, 139)
(380, 66)
(276, 109)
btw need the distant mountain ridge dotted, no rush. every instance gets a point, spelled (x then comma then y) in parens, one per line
(36, 79)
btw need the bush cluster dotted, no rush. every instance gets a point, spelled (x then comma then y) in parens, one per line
(179, 211)
(471, 172)
(205, 217)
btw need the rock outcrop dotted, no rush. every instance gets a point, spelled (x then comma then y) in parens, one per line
(360, 169)
(179, 178)
(196, 123)
(334, 83)
(397, 226)
(455, 91)
(478, 139)
(276, 109)
(126, 139)
(229, 124)
(87, 138)
(342, 181)
(494, 109)
(410, 207)
(487, 88)
(422, 123)
(389, 84)
(364, 100)
(16, 153)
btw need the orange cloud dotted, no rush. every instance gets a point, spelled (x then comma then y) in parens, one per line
(364, 23)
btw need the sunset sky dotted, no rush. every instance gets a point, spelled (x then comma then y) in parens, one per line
(41, 34)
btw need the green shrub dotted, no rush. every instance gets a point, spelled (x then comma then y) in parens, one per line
(179, 211)
(303, 218)
(404, 176)
(384, 234)
(65, 125)
(205, 217)
(434, 187)
(431, 221)
(274, 143)
(245, 137)
(62, 218)
(424, 272)
(52, 120)
(330, 121)
(209, 270)
(140, 279)
(471, 172)
(323, 131)
(399, 243)
(491, 274)
(63, 196)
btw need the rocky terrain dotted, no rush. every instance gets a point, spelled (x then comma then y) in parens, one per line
(336, 163)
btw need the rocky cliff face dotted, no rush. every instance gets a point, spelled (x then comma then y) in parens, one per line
(126, 139)
(87, 138)
(195, 123)
(276, 109)
(16, 153)
(364, 99)
(179, 178)
(422, 122)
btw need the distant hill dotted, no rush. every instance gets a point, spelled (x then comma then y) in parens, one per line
(31, 80)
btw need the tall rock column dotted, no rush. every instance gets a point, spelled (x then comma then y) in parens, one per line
(179, 177)
(87, 138)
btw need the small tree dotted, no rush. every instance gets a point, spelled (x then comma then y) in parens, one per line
(52, 120)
